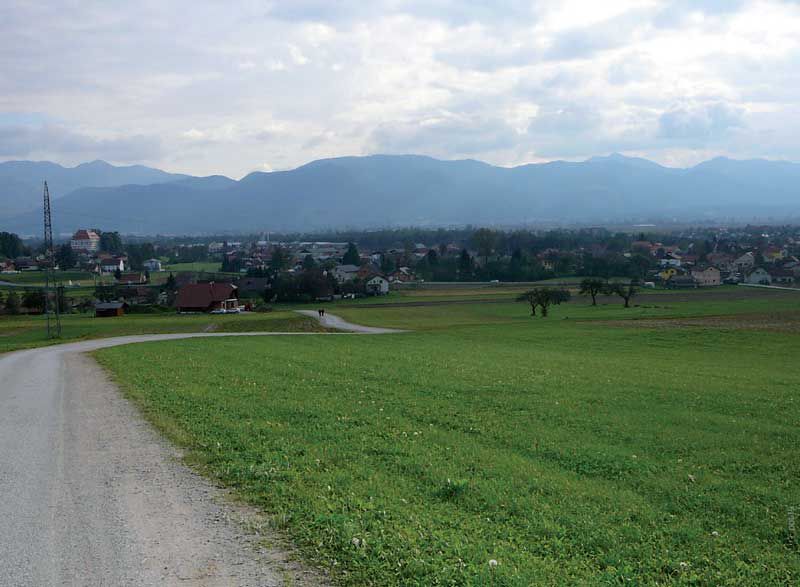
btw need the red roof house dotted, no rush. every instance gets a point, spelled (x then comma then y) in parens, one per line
(207, 297)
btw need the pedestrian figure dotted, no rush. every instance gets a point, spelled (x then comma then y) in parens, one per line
(323, 312)
(320, 312)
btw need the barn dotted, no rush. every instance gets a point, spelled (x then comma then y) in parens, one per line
(109, 309)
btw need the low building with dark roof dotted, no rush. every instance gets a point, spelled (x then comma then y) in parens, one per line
(109, 309)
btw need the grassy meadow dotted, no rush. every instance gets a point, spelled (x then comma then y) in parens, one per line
(600, 446)
(21, 332)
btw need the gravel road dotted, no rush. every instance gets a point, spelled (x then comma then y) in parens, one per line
(91, 495)
(333, 321)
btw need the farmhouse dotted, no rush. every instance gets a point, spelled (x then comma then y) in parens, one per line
(345, 273)
(132, 278)
(758, 276)
(377, 286)
(207, 297)
(707, 276)
(85, 241)
(153, 265)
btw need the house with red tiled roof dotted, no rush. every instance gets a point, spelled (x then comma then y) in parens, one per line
(85, 241)
(208, 297)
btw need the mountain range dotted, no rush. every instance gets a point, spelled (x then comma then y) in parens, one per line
(394, 190)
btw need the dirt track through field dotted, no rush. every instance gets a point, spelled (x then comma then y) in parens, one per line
(91, 495)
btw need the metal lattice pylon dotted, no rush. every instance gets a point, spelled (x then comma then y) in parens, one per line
(51, 307)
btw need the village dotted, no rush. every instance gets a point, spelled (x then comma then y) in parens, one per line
(231, 276)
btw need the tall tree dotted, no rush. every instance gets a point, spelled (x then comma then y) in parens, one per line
(66, 257)
(111, 242)
(465, 266)
(351, 256)
(484, 239)
(309, 262)
(11, 245)
(592, 287)
(279, 260)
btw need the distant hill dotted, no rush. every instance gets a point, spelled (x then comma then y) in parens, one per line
(21, 181)
(391, 190)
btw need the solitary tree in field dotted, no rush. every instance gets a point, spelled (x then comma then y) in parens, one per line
(543, 297)
(624, 290)
(592, 286)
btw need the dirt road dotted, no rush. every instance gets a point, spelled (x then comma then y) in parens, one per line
(90, 495)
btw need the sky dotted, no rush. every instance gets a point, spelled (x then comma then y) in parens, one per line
(207, 87)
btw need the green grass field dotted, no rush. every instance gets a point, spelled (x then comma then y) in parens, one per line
(21, 332)
(211, 267)
(601, 446)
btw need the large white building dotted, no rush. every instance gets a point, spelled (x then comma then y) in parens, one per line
(85, 241)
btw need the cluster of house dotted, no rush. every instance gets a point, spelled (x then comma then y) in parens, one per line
(86, 246)
(770, 266)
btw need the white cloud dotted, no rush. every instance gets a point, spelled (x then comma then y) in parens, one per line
(241, 85)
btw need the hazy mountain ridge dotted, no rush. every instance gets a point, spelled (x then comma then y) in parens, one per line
(385, 190)
(21, 181)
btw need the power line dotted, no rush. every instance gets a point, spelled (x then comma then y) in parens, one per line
(53, 322)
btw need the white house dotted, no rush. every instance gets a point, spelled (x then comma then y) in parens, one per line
(758, 276)
(745, 262)
(152, 265)
(377, 286)
(112, 264)
(707, 276)
(345, 273)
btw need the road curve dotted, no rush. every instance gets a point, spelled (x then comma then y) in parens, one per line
(333, 321)
(91, 495)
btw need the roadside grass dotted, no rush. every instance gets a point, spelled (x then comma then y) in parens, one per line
(571, 454)
(211, 267)
(21, 332)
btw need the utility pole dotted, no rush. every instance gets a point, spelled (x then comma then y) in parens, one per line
(51, 283)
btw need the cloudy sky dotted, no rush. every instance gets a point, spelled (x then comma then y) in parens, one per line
(230, 87)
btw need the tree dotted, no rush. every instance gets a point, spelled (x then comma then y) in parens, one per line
(105, 293)
(110, 242)
(387, 264)
(117, 274)
(465, 265)
(592, 287)
(309, 262)
(351, 257)
(279, 260)
(33, 299)
(12, 303)
(543, 297)
(170, 284)
(623, 290)
(2, 301)
(65, 257)
(484, 240)
(11, 245)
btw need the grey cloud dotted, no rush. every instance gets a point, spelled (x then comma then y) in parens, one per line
(700, 122)
(463, 136)
(23, 141)
(456, 12)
